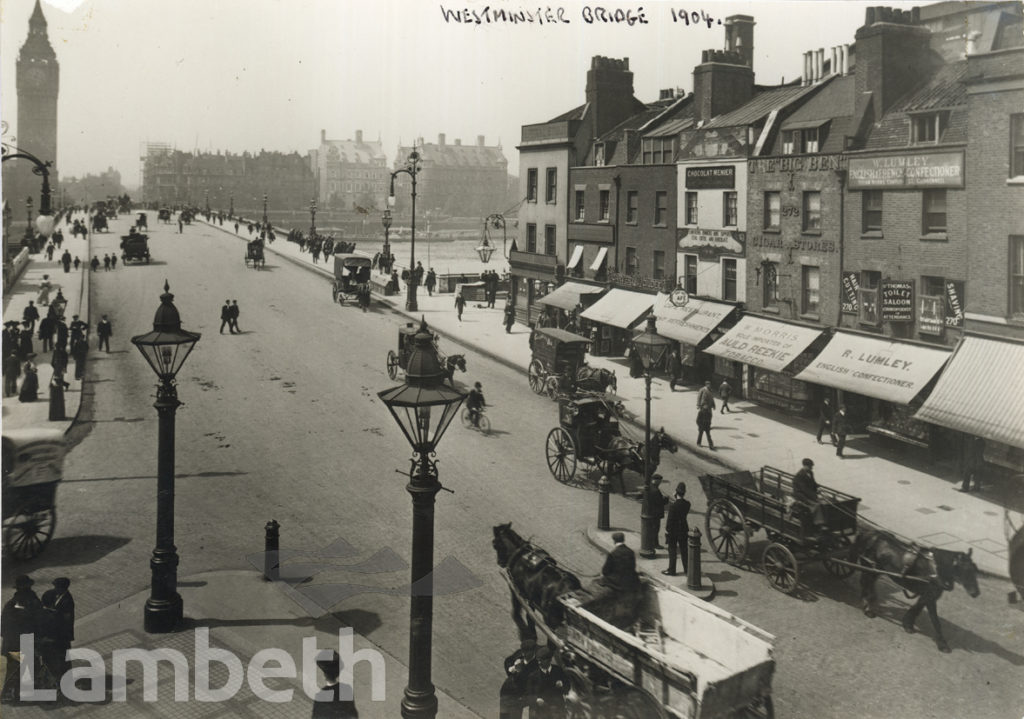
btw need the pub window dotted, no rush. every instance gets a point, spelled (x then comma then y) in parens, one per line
(531, 185)
(1017, 145)
(658, 267)
(580, 206)
(933, 211)
(690, 274)
(868, 297)
(605, 205)
(812, 211)
(928, 128)
(772, 210)
(1017, 276)
(787, 141)
(531, 237)
(549, 239)
(811, 289)
(871, 207)
(551, 189)
(632, 206)
(729, 279)
(691, 208)
(632, 265)
(730, 214)
(660, 207)
(771, 283)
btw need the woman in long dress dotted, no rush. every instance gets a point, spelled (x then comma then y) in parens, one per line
(30, 385)
(44, 291)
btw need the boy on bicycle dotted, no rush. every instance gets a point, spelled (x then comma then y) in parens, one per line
(475, 403)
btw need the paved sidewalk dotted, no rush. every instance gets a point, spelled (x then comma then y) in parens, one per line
(896, 493)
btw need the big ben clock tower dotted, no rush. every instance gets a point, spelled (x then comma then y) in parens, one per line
(38, 79)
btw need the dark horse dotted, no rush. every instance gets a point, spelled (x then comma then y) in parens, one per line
(924, 571)
(536, 575)
(627, 454)
(451, 363)
(595, 379)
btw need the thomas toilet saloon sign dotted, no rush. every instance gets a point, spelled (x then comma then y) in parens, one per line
(898, 301)
(925, 169)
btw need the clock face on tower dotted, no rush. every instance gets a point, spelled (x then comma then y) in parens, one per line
(35, 76)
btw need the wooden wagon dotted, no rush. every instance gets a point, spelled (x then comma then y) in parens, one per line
(33, 461)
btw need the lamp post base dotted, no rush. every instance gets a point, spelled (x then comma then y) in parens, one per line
(163, 615)
(419, 705)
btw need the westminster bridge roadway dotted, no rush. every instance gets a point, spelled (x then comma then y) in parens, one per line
(283, 421)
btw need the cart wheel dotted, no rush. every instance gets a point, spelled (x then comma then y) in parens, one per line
(551, 387)
(840, 550)
(727, 531)
(536, 376)
(780, 568)
(392, 364)
(561, 454)
(29, 529)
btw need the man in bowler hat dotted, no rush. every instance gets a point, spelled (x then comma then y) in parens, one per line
(677, 529)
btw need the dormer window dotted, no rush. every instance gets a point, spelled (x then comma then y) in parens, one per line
(928, 128)
(599, 154)
(803, 140)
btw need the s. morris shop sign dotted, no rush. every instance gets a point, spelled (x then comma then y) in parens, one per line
(926, 169)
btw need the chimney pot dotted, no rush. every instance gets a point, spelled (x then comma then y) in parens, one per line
(323, 136)
(869, 16)
(480, 140)
(458, 141)
(915, 15)
(440, 139)
(359, 135)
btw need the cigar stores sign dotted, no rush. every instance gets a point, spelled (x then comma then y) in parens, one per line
(925, 169)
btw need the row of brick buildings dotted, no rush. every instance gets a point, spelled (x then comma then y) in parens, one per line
(868, 210)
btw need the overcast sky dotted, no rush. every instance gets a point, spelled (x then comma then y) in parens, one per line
(242, 75)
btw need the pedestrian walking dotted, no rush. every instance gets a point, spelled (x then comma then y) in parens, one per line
(47, 328)
(113, 260)
(49, 251)
(106, 262)
(519, 667)
(825, 416)
(724, 392)
(225, 317)
(417, 274)
(652, 509)
(460, 305)
(104, 331)
(704, 415)
(705, 397)
(431, 282)
(65, 260)
(234, 317)
(677, 529)
(57, 626)
(675, 367)
(334, 700)
(59, 363)
(20, 615)
(30, 314)
(12, 371)
(181, 225)
(510, 318)
(62, 332)
(25, 348)
(839, 428)
(78, 353)
(236, 228)
(972, 462)
(30, 385)
(78, 263)
(94, 263)
(43, 298)
(546, 687)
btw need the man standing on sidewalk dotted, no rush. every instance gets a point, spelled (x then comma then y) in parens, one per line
(510, 318)
(104, 330)
(225, 316)
(30, 314)
(839, 429)
(677, 529)
(234, 317)
(460, 305)
(653, 508)
(704, 415)
(705, 397)
(725, 391)
(825, 417)
(973, 460)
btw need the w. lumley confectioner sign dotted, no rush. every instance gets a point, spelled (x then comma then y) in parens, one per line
(926, 169)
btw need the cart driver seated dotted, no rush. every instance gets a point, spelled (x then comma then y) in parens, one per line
(618, 591)
(805, 497)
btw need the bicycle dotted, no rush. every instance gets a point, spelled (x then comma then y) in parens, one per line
(483, 424)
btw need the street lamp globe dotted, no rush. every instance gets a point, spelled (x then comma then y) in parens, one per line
(44, 225)
(485, 251)
(424, 405)
(650, 346)
(167, 346)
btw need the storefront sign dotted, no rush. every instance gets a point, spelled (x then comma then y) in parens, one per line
(769, 242)
(954, 303)
(851, 283)
(813, 163)
(898, 301)
(642, 282)
(722, 177)
(764, 343)
(726, 141)
(709, 244)
(692, 322)
(931, 315)
(932, 169)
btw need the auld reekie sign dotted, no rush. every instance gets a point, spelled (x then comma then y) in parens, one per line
(925, 169)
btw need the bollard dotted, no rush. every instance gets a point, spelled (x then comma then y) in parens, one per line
(604, 488)
(693, 560)
(271, 553)
(57, 398)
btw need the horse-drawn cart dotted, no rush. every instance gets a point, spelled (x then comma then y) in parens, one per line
(164, 215)
(400, 360)
(351, 276)
(254, 254)
(32, 466)
(681, 657)
(141, 221)
(135, 247)
(559, 367)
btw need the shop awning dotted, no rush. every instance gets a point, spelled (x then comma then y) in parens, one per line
(689, 323)
(875, 367)
(765, 343)
(567, 296)
(981, 391)
(577, 255)
(599, 260)
(619, 308)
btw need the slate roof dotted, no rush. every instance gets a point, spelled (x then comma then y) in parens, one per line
(450, 155)
(761, 104)
(576, 113)
(350, 151)
(944, 90)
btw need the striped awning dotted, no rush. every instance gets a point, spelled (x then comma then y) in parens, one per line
(577, 255)
(876, 367)
(689, 323)
(620, 308)
(981, 391)
(567, 296)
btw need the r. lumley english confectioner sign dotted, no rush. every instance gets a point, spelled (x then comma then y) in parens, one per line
(930, 169)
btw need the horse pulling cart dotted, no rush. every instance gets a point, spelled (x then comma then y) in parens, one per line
(254, 254)
(351, 276)
(559, 366)
(400, 360)
(164, 215)
(681, 657)
(32, 466)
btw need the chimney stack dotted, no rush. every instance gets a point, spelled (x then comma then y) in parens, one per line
(323, 137)
(609, 93)
(359, 135)
(479, 140)
(892, 53)
(440, 139)
(458, 142)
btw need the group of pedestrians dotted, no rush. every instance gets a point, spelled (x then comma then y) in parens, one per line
(491, 281)
(835, 422)
(534, 680)
(229, 317)
(56, 336)
(49, 621)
